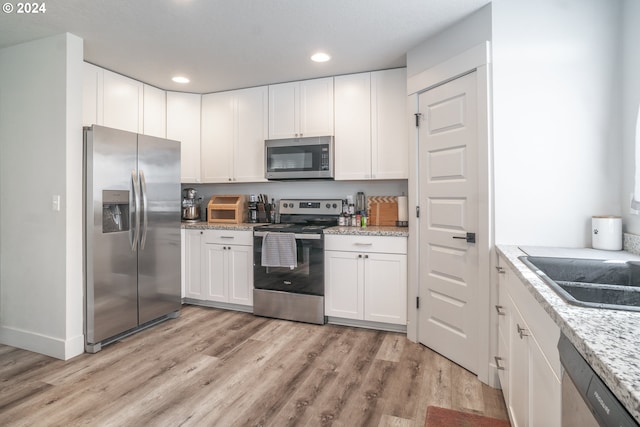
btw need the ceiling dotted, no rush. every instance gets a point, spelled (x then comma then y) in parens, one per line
(232, 44)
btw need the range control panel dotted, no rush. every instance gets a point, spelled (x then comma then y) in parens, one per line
(307, 206)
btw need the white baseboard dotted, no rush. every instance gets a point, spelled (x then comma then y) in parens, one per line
(43, 344)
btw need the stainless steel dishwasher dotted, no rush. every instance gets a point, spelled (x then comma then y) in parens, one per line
(586, 400)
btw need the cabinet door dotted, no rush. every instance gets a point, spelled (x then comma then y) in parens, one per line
(518, 405)
(92, 95)
(252, 130)
(192, 265)
(183, 124)
(385, 288)
(545, 390)
(389, 125)
(316, 107)
(282, 110)
(214, 272)
(344, 284)
(240, 274)
(218, 134)
(503, 312)
(123, 102)
(353, 126)
(155, 112)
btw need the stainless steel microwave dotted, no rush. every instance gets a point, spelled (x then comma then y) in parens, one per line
(299, 158)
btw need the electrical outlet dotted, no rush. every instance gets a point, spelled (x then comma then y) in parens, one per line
(632, 211)
(55, 202)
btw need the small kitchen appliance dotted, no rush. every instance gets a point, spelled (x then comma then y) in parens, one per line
(190, 205)
(296, 291)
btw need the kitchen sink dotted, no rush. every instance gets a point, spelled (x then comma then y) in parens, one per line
(610, 284)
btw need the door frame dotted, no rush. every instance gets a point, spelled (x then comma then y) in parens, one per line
(477, 59)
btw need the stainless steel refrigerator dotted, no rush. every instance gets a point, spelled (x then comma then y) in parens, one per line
(132, 233)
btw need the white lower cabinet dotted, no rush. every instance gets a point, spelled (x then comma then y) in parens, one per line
(366, 278)
(218, 266)
(528, 361)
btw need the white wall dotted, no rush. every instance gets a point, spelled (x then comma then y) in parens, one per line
(556, 131)
(630, 101)
(41, 156)
(463, 35)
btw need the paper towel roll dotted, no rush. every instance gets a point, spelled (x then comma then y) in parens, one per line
(402, 208)
(606, 233)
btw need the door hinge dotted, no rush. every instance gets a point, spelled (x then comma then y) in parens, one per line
(418, 115)
(417, 211)
(417, 302)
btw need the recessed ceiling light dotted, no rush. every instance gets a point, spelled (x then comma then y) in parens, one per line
(180, 79)
(320, 57)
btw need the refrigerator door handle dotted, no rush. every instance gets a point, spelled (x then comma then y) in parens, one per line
(144, 208)
(136, 206)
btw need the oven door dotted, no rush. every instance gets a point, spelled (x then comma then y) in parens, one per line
(299, 158)
(307, 278)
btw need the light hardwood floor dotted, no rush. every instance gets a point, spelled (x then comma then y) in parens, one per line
(213, 367)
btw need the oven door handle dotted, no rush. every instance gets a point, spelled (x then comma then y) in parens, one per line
(297, 236)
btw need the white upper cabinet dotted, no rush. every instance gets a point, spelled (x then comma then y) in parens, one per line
(109, 99)
(123, 102)
(183, 124)
(353, 126)
(155, 112)
(234, 127)
(301, 109)
(390, 126)
(92, 95)
(371, 127)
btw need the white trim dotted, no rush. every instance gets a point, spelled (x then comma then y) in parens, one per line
(452, 68)
(475, 59)
(43, 344)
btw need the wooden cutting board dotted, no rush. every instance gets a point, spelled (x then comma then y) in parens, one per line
(383, 210)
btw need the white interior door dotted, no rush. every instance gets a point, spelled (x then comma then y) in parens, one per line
(448, 191)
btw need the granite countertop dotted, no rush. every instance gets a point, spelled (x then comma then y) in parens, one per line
(371, 230)
(204, 225)
(609, 340)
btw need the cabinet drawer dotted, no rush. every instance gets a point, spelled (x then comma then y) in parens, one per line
(231, 237)
(381, 244)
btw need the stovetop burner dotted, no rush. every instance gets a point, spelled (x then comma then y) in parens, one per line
(305, 216)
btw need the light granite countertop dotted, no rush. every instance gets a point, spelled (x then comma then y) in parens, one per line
(204, 225)
(372, 230)
(609, 340)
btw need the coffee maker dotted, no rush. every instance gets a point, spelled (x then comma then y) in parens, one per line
(190, 205)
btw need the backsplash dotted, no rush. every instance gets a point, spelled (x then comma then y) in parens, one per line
(310, 189)
(631, 243)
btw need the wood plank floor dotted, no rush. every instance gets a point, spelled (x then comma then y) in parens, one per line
(213, 367)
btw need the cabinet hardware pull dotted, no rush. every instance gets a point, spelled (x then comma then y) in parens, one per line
(366, 256)
(500, 269)
(359, 255)
(500, 310)
(226, 237)
(498, 367)
(521, 331)
(362, 244)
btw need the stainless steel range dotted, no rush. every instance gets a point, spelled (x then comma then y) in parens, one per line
(288, 262)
